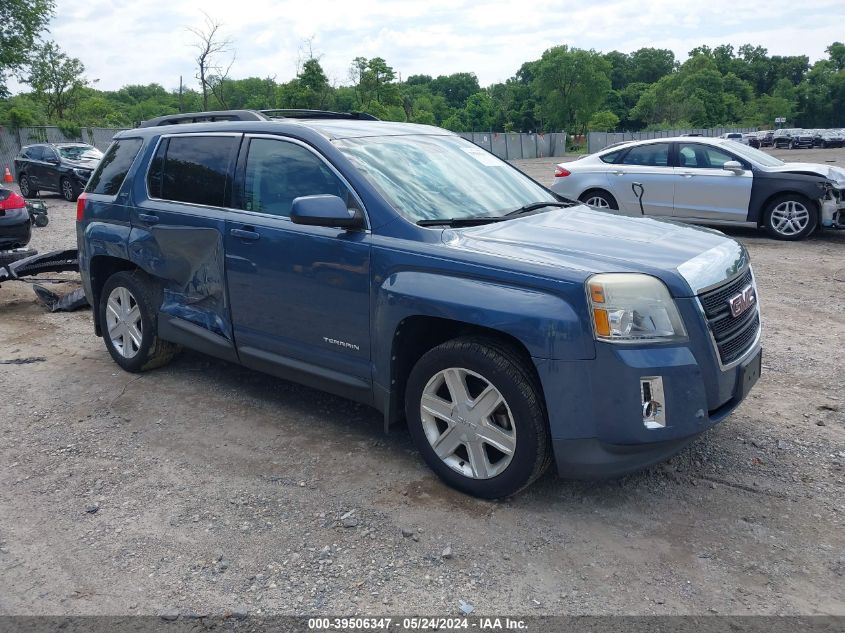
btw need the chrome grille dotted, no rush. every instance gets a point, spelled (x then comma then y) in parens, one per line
(733, 336)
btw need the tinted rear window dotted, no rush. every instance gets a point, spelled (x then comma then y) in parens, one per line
(192, 169)
(112, 170)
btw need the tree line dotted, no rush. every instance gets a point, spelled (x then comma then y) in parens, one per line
(566, 89)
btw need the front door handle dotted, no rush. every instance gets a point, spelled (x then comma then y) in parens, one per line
(244, 234)
(687, 174)
(148, 218)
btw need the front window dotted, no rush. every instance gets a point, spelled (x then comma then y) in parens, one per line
(702, 156)
(755, 155)
(278, 172)
(80, 152)
(431, 177)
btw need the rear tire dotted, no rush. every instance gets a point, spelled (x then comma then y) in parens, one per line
(128, 307)
(26, 187)
(465, 400)
(790, 217)
(600, 199)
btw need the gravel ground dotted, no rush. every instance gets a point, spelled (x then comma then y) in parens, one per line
(204, 487)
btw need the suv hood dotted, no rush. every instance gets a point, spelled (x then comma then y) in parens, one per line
(590, 241)
(90, 163)
(834, 174)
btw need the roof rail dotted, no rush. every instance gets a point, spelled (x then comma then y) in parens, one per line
(301, 113)
(204, 117)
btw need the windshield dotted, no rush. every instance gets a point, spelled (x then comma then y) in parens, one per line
(755, 155)
(432, 177)
(80, 152)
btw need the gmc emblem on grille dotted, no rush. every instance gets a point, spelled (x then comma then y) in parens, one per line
(739, 303)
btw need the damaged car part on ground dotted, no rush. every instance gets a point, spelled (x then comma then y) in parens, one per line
(27, 269)
(404, 267)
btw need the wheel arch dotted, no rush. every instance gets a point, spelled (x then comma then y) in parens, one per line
(766, 186)
(415, 311)
(415, 335)
(101, 268)
(598, 189)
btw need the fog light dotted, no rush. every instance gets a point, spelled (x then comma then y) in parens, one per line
(653, 402)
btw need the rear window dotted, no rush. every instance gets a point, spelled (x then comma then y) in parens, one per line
(112, 170)
(651, 155)
(192, 169)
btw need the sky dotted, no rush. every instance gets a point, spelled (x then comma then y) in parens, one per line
(130, 42)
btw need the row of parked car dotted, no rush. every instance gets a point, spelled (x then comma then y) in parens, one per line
(790, 138)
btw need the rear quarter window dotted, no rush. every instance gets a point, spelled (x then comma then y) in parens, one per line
(194, 169)
(612, 157)
(112, 170)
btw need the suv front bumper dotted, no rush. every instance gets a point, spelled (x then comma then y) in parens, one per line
(596, 414)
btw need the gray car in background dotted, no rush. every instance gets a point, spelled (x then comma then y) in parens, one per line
(708, 180)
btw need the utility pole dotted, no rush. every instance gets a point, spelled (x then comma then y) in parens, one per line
(180, 94)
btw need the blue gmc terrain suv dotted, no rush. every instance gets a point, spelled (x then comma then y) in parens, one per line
(404, 267)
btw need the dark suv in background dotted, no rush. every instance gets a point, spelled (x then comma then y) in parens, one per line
(793, 139)
(61, 167)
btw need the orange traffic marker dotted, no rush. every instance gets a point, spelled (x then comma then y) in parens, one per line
(7, 177)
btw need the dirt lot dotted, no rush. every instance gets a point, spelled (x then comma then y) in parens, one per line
(204, 486)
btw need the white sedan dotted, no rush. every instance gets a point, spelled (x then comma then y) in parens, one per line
(708, 180)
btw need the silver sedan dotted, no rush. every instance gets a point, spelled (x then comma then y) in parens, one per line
(708, 180)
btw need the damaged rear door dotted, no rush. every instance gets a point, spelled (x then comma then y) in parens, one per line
(177, 235)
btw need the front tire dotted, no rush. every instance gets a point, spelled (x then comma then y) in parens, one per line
(477, 417)
(128, 308)
(599, 199)
(70, 192)
(790, 217)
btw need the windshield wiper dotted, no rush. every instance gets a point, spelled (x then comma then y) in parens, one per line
(455, 222)
(534, 206)
(487, 219)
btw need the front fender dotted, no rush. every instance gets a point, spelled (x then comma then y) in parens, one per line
(546, 324)
(767, 184)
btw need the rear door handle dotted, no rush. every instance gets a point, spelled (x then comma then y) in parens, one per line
(687, 174)
(244, 234)
(148, 218)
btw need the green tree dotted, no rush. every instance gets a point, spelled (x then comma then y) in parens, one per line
(56, 79)
(455, 88)
(603, 121)
(21, 23)
(479, 112)
(571, 85)
(647, 65)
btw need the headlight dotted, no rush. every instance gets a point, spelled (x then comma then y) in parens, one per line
(82, 173)
(633, 308)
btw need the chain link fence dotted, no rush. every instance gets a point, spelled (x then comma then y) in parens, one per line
(597, 141)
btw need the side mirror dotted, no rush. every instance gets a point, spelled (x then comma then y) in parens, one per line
(325, 210)
(735, 166)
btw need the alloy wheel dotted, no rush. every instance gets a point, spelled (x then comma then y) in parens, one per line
(24, 186)
(123, 322)
(790, 218)
(468, 423)
(67, 190)
(598, 201)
